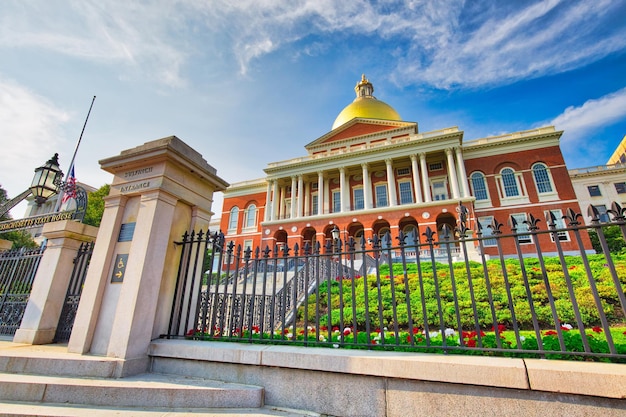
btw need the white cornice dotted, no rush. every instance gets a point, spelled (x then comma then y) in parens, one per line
(410, 127)
(513, 142)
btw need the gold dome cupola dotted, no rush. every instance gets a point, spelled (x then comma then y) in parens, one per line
(366, 106)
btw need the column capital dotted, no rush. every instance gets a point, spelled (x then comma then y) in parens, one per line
(364, 165)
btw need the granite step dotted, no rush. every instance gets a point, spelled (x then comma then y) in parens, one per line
(144, 390)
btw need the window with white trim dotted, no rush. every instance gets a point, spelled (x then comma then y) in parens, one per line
(336, 201)
(250, 217)
(604, 216)
(381, 195)
(486, 230)
(522, 227)
(406, 192)
(314, 204)
(620, 187)
(233, 219)
(403, 171)
(542, 178)
(560, 224)
(511, 188)
(479, 186)
(594, 191)
(439, 189)
(359, 202)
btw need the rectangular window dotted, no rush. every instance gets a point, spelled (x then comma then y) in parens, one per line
(403, 171)
(336, 201)
(522, 227)
(359, 202)
(247, 244)
(560, 224)
(440, 192)
(604, 216)
(437, 166)
(620, 187)
(406, 192)
(314, 186)
(314, 205)
(594, 190)
(381, 196)
(486, 230)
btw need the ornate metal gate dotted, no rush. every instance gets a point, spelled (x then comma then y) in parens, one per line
(74, 290)
(17, 272)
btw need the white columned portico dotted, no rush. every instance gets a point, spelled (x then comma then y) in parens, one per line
(320, 192)
(367, 187)
(391, 184)
(462, 173)
(416, 179)
(454, 183)
(425, 180)
(268, 202)
(292, 208)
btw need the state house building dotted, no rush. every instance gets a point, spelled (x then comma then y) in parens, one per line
(374, 173)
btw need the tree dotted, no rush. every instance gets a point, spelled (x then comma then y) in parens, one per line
(95, 206)
(614, 239)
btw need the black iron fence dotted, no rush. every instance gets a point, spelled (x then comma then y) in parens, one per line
(439, 292)
(17, 272)
(74, 291)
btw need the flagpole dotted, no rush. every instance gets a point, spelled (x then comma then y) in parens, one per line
(69, 171)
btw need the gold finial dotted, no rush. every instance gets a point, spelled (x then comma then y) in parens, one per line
(364, 88)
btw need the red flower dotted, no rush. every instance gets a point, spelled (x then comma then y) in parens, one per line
(471, 343)
(416, 330)
(598, 329)
(550, 333)
(191, 332)
(408, 338)
(500, 329)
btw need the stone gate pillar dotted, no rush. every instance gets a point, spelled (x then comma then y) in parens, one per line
(160, 190)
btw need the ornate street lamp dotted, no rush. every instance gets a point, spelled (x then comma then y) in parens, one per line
(46, 180)
(335, 233)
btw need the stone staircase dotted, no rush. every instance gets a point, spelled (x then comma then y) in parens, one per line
(49, 381)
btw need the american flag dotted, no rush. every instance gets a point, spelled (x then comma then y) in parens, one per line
(70, 188)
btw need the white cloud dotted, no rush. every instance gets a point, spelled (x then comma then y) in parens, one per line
(440, 43)
(579, 121)
(30, 132)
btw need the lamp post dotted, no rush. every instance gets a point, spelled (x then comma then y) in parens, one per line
(46, 180)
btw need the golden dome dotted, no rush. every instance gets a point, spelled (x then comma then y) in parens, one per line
(366, 106)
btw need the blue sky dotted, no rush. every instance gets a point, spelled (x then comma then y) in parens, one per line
(249, 82)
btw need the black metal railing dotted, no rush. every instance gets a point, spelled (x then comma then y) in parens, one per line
(74, 291)
(17, 273)
(441, 293)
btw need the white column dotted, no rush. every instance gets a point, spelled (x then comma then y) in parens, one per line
(300, 189)
(268, 202)
(454, 183)
(462, 173)
(343, 187)
(281, 204)
(425, 180)
(327, 197)
(391, 184)
(320, 192)
(307, 199)
(367, 188)
(416, 179)
(292, 209)
(275, 199)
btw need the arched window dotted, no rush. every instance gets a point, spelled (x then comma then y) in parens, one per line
(250, 219)
(510, 183)
(542, 178)
(479, 187)
(233, 219)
